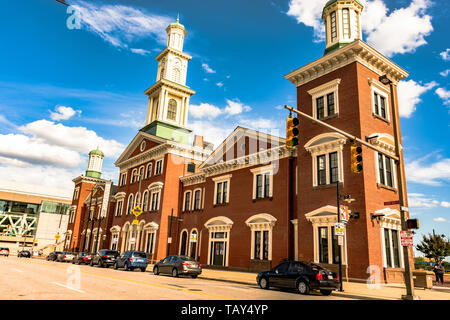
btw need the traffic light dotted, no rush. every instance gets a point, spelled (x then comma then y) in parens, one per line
(356, 158)
(412, 224)
(292, 132)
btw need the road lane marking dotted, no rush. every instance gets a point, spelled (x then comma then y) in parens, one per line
(16, 270)
(67, 287)
(144, 283)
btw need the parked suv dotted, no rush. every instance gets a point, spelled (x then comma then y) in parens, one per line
(24, 253)
(82, 257)
(178, 265)
(304, 276)
(105, 258)
(4, 251)
(53, 255)
(131, 260)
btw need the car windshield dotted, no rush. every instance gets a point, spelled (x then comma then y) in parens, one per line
(314, 266)
(140, 254)
(184, 258)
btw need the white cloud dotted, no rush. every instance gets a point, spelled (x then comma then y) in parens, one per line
(432, 175)
(236, 107)
(142, 52)
(204, 110)
(120, 25)
(400, 31)
(211, 131)
(409, 93)
(445, 73)
(6, 121)
(207, 68)
(63, 113)
(444, 95)
(77, 138)
(445, 204)
(219, 84)
(258, 123)
(445, 55)
(440, 219)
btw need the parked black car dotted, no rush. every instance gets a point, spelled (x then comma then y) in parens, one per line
(178, 265)
(304, 276)
(104, 258)
(53, 255)
(24, 253)
(82, 257)
(131, 260)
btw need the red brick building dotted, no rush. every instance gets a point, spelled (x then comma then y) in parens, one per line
(252, 202)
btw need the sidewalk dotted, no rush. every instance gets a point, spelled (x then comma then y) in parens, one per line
(351, 289)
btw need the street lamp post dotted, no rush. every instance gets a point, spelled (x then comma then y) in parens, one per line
(401, 193)
(170, 233)
(339, 221)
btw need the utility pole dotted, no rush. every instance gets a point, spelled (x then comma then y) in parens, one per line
(339, 221)
(170, 233)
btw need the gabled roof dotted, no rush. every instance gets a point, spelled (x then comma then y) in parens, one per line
(238, 133)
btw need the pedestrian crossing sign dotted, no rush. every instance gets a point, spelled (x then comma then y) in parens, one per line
(137, 211)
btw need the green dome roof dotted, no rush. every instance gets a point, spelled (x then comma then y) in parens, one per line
(97, 151)
(333, 1)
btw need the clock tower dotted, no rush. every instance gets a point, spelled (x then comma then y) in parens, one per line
(168, 98)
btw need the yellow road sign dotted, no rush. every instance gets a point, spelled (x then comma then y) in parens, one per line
(137, 211)
(57, 236)
(136, 222)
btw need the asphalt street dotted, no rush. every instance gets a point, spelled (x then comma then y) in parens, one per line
(33, 279)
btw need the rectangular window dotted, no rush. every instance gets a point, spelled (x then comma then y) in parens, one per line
(267, 185)
(225, 190)
(158, 168)
(187, 201)
(323, 244)
(377, 107)
(197, 200)
(321, 171)
(385, 170)
(387, 245)
(388, 171)
(155, 200)
(265, 245)
(219, 193)
(381, 168)
(346, 21)
(119, 208)
(330, 104)
(380, 105)
(320, 108)
(334, 171)
(335, 246)
(259, 186)
(149, 171)
(395, 248)
(383, 107)
(257, 245)
(333, 26)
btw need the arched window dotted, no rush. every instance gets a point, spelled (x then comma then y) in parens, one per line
(172, 110)
(130, 204)
(137, 200)
(183, 243)
(145, 201)
(149, 171)
(193, 244)
(141, 173)
(176, 75)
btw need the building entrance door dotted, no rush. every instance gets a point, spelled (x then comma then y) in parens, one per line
(219, 251)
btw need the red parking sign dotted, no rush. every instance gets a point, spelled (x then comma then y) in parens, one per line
(406, 238)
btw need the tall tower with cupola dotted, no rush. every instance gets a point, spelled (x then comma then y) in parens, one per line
(168, 98)
(342, 23)
(94, 169)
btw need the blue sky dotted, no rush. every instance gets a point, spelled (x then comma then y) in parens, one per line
(64, 91)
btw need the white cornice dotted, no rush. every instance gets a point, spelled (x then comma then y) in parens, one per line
(358, 51)
(169, 84)
(174, 52)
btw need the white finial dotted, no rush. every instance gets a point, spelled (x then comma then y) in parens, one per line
(178, 18)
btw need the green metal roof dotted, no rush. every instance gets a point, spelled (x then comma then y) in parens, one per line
(97, 151)
(333, 1)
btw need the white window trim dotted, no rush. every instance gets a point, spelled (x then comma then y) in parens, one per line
(113, 236)
(225, 178)
(393, 167)
(266, 225)
(189, 245)
(330, 243)
(225, 226)
(147, 237)
(149, 168)
(151, 200)
(143, 145)
(322, 91)
(124, 181)
(327, 166)
(76, 193)
(143, 173)
(378, 88)
(190, 200)
(133, 176)
(180, 242)
(263, 170)
(128, 204)
(117, 213)
(145, 204)
(156, 166)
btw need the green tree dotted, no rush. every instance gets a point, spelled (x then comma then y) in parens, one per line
(434, 246)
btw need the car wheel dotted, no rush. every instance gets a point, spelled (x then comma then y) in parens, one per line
(264, 283)
(302, 287)
(156, 270)
(175, 272)
(91, 263)
(326, 292)
(194, 276)
(143, 269)
(126, 267)
(116, 266)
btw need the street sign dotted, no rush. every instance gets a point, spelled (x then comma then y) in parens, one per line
(137, 211)
(405, 209)
(406, 238)
(389, 203)
(339, 229)
(341, 240)
(193, 237)
(169, 240)
(57, 236)
(344, 213)
(136, 222)
(115, 240)
(132, 240)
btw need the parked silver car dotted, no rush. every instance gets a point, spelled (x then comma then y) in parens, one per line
(65, 257)
(178, 265)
